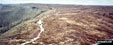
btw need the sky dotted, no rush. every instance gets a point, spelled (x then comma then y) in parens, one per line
(76, 2)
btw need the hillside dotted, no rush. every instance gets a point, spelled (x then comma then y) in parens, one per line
(46, 24)
(12, 15)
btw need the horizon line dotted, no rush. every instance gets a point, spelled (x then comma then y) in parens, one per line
(57, 4)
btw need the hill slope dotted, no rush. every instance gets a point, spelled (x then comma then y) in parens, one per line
(63, 25)
(12, 15)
